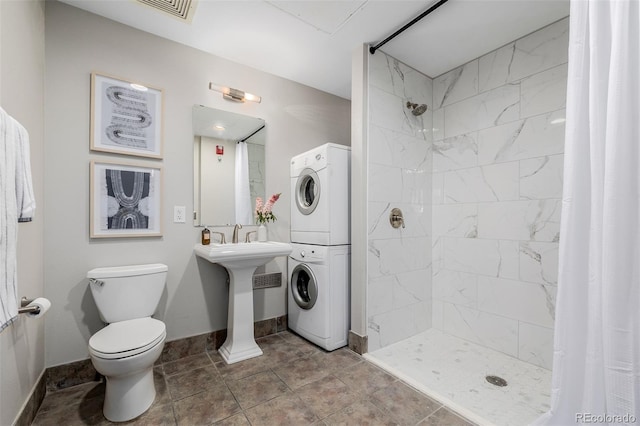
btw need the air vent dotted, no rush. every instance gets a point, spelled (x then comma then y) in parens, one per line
(273, 279)
(180, 9)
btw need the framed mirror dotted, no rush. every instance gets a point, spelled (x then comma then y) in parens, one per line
(228, 166)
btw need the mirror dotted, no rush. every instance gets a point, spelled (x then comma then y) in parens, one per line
(227, 177)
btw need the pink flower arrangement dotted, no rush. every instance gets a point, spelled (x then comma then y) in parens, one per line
(264, 212)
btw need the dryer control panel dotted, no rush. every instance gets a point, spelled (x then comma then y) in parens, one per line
(318, 158)
(309, 254)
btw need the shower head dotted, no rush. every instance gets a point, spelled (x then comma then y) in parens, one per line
(416, 109)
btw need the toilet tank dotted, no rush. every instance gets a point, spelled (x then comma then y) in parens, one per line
(127, 292)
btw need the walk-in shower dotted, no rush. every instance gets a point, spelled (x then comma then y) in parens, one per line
(466, 290)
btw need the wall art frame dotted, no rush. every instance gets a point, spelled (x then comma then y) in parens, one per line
(126, 200)
(126, 117)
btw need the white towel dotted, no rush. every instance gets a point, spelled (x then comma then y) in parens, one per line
(17, 204)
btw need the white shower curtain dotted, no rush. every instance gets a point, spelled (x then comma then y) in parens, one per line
(596, 366)
(243, 195)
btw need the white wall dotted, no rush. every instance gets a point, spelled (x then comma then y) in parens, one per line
(399, 175)
(21, 95)
(217, 177)
(497, 187)
(298, 118)
(217, 180)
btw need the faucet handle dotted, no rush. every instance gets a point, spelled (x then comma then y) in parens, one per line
(247, 238)
(222, 237)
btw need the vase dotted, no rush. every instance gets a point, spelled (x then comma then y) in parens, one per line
(262, 232)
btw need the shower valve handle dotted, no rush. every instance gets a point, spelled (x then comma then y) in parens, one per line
(396, 218)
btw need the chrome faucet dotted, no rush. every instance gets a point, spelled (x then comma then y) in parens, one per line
(234, 238)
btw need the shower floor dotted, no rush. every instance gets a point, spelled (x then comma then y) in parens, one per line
(453, 371)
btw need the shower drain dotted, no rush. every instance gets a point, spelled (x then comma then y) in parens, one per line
(496, 381)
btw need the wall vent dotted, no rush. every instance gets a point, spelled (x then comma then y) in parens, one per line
(273, 279)
(180, 9)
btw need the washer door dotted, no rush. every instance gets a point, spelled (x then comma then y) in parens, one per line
(307, 191)
(304, 287)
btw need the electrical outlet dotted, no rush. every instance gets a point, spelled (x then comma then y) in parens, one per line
(179, 214)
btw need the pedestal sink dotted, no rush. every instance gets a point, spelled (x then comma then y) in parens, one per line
(241, 260)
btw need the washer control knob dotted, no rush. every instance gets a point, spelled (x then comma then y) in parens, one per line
(302, 253)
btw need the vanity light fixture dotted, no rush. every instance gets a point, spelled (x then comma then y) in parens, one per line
(235, 95)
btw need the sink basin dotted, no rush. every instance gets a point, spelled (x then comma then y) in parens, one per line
(241, 261)
(248, 254)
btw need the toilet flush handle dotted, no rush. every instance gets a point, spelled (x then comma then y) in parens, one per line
(100, 283)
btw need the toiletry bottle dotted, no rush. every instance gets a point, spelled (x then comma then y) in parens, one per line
(206, 236)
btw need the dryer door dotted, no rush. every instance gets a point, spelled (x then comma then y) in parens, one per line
(304, 287)
(307, 193)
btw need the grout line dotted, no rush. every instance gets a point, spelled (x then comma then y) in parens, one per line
(303, 348)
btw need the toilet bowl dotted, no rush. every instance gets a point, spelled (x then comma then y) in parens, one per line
(124, 352)
(127, 348)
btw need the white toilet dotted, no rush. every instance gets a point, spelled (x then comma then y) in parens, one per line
(126, 349)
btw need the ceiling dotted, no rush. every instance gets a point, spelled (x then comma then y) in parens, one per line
(225, 125)
(312, 41)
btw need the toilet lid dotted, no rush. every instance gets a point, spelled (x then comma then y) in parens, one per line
(127, 338)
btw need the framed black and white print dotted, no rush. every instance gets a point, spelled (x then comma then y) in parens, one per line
(126, 117)
(126, 200)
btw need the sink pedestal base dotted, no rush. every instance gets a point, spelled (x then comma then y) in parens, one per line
(230, 354)
(240, 343)
(241, 260)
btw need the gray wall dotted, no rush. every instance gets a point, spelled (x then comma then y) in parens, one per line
(21, 95)
(359, 185)
(298, 118)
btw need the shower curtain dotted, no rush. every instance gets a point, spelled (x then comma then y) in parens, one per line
(596, 367)
(243, 194)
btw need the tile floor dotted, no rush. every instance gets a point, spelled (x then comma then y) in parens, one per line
(457, 377)
(293, 383)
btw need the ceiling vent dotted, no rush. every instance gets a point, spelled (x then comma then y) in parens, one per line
(180, 9)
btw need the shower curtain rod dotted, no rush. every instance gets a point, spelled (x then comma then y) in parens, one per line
(373, 49)
(253, 133)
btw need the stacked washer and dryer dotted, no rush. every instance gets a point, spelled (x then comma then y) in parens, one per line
(319, 265)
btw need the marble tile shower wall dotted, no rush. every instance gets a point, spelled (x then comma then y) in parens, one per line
(399, 149)
(256, 170)
(498, 126)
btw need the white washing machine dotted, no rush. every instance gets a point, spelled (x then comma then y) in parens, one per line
(318, 294)
(320, 196)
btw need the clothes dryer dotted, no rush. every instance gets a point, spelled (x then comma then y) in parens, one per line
(320, 196)
(318, 294)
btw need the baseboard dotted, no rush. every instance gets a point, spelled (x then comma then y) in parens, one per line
(32, 404)
(79, 372)
(358, 344)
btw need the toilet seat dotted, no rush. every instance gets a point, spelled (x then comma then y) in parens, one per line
(127, 338)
